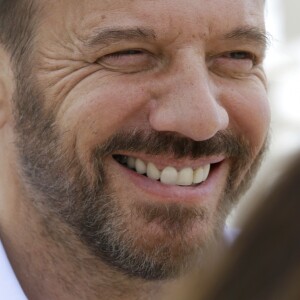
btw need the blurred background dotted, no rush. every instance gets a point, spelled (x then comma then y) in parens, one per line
(283, 69)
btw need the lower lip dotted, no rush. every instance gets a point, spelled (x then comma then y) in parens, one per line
(164, 193)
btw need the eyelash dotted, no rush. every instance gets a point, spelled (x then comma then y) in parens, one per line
(136, 60)
(128, 52)
(132, 52)
(246, 55)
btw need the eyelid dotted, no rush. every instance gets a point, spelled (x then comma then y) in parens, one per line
(225, 63)
(129, 60)
(255, 55)
(248, 55)
(126, 52)
(119, 54)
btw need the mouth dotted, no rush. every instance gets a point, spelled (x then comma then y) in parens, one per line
(168, 175)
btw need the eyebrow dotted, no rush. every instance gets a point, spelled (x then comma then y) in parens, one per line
(250, 34)
(113, 35)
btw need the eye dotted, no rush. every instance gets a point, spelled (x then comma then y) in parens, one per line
(127, 61)
(241, 55)
(234, 63)
(119, 54)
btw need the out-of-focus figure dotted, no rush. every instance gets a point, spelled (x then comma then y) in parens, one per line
(264, 262)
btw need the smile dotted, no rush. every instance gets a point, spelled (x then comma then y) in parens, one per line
(169, 175)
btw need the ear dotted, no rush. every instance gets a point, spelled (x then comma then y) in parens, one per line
(6, 87)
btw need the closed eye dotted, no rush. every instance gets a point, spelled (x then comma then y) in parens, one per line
(242, 55)
(125, 53)
(127, 61)
(235, 63)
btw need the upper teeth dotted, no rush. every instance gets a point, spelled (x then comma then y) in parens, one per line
(170, 175)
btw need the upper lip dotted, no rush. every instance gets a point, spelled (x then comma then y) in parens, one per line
(162, 161)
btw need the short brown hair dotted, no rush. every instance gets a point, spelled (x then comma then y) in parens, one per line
(16, 26)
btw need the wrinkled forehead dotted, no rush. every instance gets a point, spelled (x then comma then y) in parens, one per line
(169, 4)
(193, 16)
(219, 6)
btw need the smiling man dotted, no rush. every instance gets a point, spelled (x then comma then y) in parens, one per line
(128, 130)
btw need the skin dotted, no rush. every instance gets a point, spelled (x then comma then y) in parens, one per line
(191, 77)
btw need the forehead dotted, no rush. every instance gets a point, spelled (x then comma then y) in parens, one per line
(167, 17)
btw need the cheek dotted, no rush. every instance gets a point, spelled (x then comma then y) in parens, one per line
(249, 112)
(95, 115)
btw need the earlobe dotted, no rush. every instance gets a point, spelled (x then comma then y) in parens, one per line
(6, 87)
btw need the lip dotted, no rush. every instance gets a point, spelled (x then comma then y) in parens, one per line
(190, 195)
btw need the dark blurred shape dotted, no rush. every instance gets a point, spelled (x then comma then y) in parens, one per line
(264, 262)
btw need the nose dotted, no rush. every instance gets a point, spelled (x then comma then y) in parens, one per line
(186, 101)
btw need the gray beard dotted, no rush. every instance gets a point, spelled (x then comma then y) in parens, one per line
(59, 185)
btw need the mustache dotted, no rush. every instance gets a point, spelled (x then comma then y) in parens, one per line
(155, 143)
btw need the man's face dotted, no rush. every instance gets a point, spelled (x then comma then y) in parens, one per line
(139, 123)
